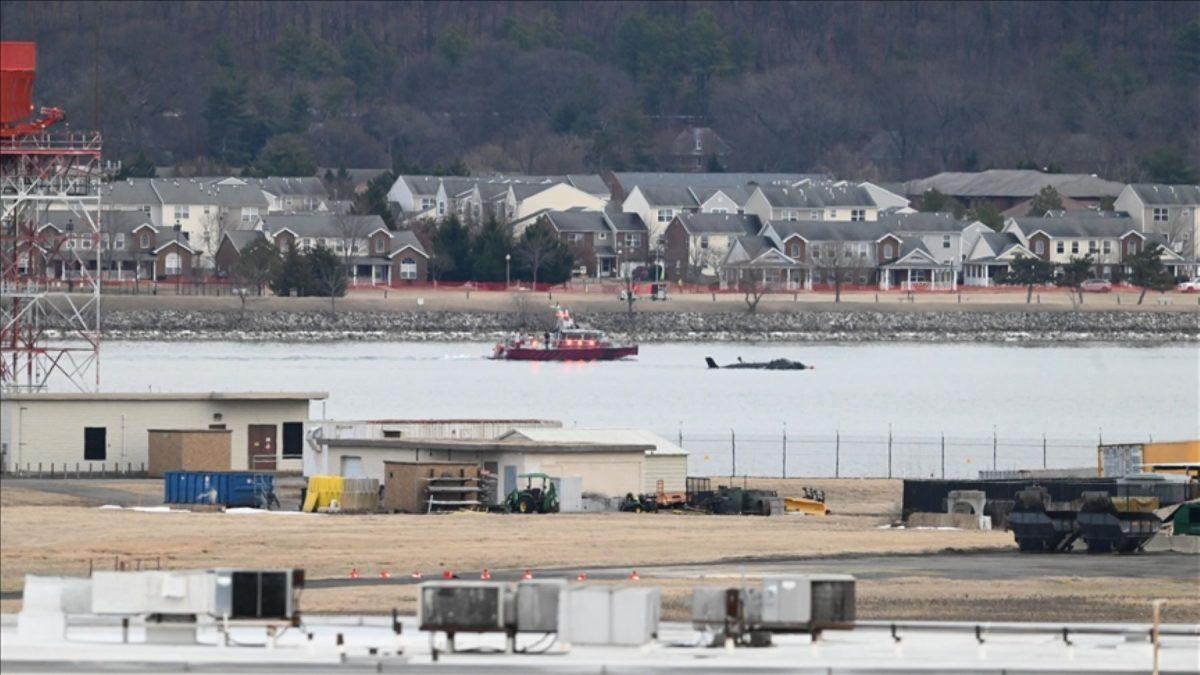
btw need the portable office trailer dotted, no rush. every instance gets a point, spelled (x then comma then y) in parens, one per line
(75, 431)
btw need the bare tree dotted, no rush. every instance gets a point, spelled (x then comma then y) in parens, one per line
(535, 246)
(839, 262)
(700, 258)
(213, 226)
(753, 291)
(352, 233)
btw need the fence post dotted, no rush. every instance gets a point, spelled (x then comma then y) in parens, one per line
(943, 455)
(681, 433)
(784, 450)
(889, 450)
(993, 447)
(1043, 450)
(732, 454)
(837, 453)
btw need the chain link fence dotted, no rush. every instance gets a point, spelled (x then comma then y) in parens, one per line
(838, 455)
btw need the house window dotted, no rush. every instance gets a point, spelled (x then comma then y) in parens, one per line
(146, 209)
(284, 244)
(833, 214)
(633, 240)
(379, 244)
(427, 203)
(104, 240)
(665, 215)
(408, 268)
(704, 242)
(945, 241)
(858, 215)
(206, 210)
(1092, 246)
(720, 211)
(441, 208)
(85, 243)
(144, 241)
(120, 240)
(790, 216)
(575, 238)
(95, 444)
(1161, 215)
(862, 250)
(1039, 247)
(814, 215)
(1074, 247)
(249, 215)
(173, 265)
(887, 250)
(306, 243)
(293, 440)
(1107, 247)
(602, 236)
(181, 212)
(1059, 247)
(794, 249)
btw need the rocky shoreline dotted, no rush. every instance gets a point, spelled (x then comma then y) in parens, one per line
(817, 326)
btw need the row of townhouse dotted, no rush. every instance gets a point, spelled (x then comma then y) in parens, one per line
(921, 250)
(203, 208)
(372, 253)
(605, 243)
(504, 198)
(128, 247)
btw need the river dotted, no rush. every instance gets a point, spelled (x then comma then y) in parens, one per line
(993, 403)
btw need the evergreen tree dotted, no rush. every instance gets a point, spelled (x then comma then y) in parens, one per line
(1047, 199)
(284, 155)
(452, 248)
(987, 214)
(326, 274)
(1147, 271)
(488, 249)
(1028, 272)
(138, 167)
(543, 257)
(257, 264)
(291, 274)
(227, 114)
(1166, 165)
(1074, 273)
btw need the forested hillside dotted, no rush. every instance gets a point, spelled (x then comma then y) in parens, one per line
(873, 90)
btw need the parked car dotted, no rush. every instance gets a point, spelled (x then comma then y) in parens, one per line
(1096, 286)
(1190, 286)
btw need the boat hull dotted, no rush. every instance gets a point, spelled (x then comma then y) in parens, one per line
(568, 353)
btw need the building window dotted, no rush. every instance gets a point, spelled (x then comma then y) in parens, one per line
(794, 249)
(1059, 247)
(665, 215)
(120, 240)
(862, 250)
(1039, 247)
(293, 440)
(427, 203)
(144, 242)
(306, 243)
(602, 236)
(704, 241)
(95, 444)
(790, 216)
(1107, 247)
(284, 244)
(720, 211)
(833, 214)
(379, 244)
(945, 241)
(1092, 246)
(146, 209)
(173, 264)
(249, 215)
(408, 268)
(1074, 247)
(85, 243)
(181, 212)
(858, 215)
(441, 208)
(814, 215)
(887, 251)
(575, 237)
(1161, 215)
(206, 209)
(633, 240)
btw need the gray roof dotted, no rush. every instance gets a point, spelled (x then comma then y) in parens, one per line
(242, 238)
(668, 195)
(755, 245)
(831, 230)
(720, 223)
(629, 180)
(1170, 195)
(281, 186)
(134, 191)
(527, 190)
(1078, 224)
(111, 220)
(195, 191)
(1020, 183)
(699, 142)
(577, 220)
(815, 195)
(923, 222)
(1000, 242)
(590, 183)
(322, 224)
(625, 222)
(738, 193)
(402, 239)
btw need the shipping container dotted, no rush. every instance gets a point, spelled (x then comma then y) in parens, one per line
(229, 488)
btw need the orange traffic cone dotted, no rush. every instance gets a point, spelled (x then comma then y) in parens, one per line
(486, 575)
(447, 574)
(582, 576)
(384, 574)
(353, 572)
(416, 574)
(527, 575)
(634, 576)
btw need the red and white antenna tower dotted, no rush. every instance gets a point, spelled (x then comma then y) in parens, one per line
(49, 273)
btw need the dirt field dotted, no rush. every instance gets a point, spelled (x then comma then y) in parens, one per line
(47, 532)
(601, 300)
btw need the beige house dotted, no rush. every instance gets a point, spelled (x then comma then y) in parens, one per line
(524, 199)
(1170, 210)
(666, 463)
(75, 431)
(813, 200)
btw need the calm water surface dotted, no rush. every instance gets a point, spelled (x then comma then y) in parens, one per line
(1073, 394)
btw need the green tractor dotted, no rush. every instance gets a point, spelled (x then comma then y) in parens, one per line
(541, 498)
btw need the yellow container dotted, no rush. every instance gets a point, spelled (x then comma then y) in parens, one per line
(322, 492)
(809, 507)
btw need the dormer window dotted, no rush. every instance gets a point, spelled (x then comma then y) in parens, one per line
(888, 250)
(794, 249)
(665, 215)
(858, 215)
(1039, 247)
(379, 243)
(119, 240)
(144, 240)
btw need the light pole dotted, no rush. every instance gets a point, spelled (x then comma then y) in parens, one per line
(507, 267)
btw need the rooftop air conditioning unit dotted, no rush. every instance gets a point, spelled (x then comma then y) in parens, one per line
(782, 604)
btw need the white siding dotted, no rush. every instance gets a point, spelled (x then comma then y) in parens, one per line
(671, 469)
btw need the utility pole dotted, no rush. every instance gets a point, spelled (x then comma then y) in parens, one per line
(837, 453)
(732, 455)
(1043, 450)
(943, 455)
(784, 456)
(889, 450)
(993, 447)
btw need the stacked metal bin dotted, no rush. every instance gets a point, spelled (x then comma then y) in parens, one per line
(224, 488)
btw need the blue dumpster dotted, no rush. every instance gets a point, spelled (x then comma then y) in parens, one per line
(229, 488)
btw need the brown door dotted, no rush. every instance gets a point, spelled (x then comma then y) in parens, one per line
(261, 450)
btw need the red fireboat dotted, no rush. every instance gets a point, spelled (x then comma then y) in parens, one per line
(568, 342)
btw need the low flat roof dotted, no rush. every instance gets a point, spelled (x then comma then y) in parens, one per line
(190, 431)
(514, 445)
(171, 396)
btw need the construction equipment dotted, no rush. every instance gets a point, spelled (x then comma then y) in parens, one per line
(540, 498)
(727, 500)
(1040, 525)
(646, 503)
(1121, 524)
